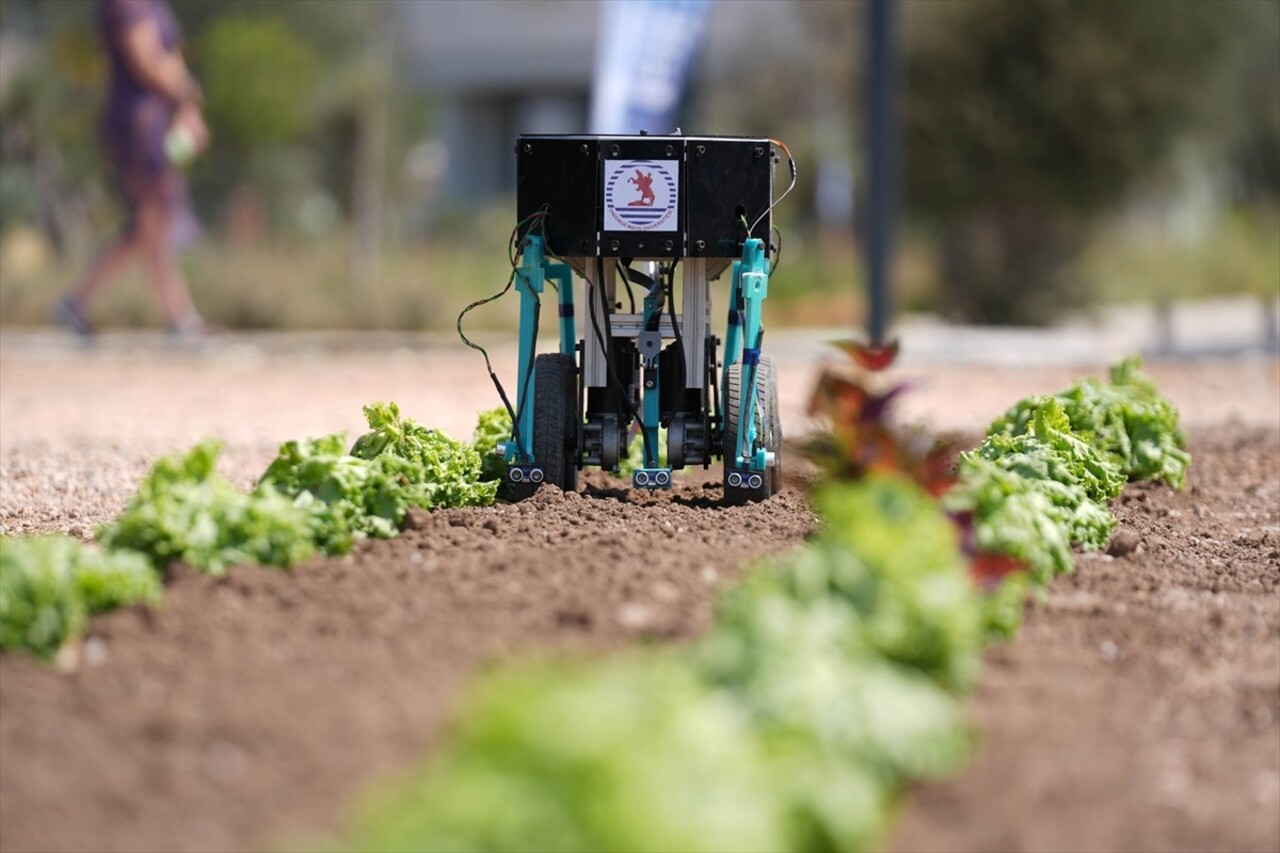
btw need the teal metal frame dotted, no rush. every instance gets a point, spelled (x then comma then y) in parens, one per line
(652, 403)
(743, 336)
(531, 279)
(742, 340)
(652, 475)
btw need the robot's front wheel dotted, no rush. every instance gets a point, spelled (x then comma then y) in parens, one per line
(555, 423)
(740, 485)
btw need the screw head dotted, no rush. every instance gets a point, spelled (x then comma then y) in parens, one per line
(668, 150)
(667, 245)
(613, 150)
(613, 245)
(701, 149)
(527, 148)
(584, 149)
(700, 245)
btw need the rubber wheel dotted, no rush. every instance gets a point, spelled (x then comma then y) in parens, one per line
(768, 430)
(768, 382)
(555, 427)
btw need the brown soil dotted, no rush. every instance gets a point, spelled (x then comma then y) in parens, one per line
(252, 707)
(1138, 709)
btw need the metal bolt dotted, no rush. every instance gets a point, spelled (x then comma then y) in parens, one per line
(700, 245)
(667, 245)
(759, 152)
(584, 149)
(613, 150)
(668, 150)
(528, 148)
(639, 245)
(701, 149)
(613, 245)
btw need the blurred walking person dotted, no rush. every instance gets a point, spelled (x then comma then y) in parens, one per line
(152, 124)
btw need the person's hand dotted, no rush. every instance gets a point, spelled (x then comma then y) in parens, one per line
(189, 119)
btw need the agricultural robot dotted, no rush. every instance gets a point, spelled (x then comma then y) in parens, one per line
(647, 223)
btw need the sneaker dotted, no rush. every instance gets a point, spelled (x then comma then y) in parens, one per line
(190, 327)
(67, 313)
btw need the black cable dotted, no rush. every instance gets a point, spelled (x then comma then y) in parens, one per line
(512, 255)
(654, 323)
(791, 164)
(631, 297)
(675, 328)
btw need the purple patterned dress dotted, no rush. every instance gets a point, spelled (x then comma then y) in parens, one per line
(137, 118)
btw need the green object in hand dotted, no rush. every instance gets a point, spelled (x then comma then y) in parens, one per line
(179, 146)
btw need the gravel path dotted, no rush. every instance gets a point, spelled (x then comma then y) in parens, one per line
(79, 428)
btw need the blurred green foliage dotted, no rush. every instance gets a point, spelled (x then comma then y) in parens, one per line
(1046, 104)
(1026, 118)
(1240, 254)
(48, 131)
(258, 78)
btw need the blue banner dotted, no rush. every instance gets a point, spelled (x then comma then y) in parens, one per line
(643, 55)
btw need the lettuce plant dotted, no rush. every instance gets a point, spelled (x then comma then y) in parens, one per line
(50, 584)
(183, 510)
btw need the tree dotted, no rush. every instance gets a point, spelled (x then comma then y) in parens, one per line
(1025, 118)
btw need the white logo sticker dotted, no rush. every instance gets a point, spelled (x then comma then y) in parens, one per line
(641, 195)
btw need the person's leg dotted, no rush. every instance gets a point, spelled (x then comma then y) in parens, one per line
(104, 268)
(161, 262)
(73, 309)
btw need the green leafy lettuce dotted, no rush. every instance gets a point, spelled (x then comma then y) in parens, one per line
(183, 510)
(50, 584)
(635, 755)
(493, 427)
(889, 551)
(807, 672)
(1074, 477)
(1011, 516)
(1126, 418)
(398, 464)
(442, 471)
(344, 497)
(1002, 608)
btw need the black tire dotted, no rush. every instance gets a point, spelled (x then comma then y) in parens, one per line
(555, 424)
(766, 429)
(768, 384)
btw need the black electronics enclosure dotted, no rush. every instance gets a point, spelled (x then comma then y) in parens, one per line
(644, 196)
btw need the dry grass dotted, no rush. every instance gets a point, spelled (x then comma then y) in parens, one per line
(281, 284)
